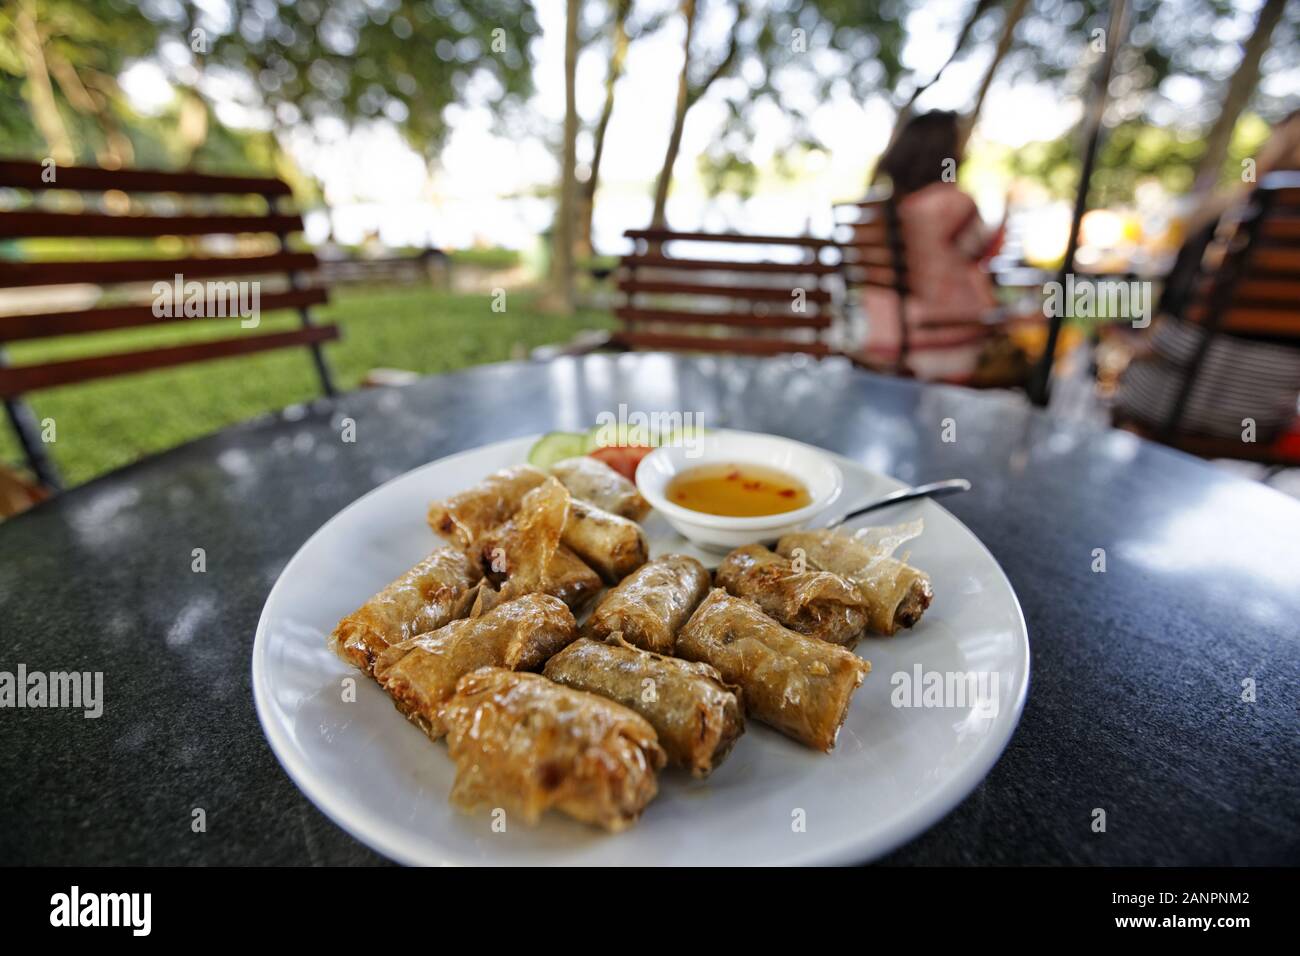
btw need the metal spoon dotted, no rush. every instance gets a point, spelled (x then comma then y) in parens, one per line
(935, 489)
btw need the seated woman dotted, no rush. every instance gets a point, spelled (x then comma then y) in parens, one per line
(951, 301)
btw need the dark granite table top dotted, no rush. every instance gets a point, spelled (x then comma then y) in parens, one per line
(1136, 696)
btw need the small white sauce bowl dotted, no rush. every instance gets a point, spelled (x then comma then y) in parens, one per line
(810, 465)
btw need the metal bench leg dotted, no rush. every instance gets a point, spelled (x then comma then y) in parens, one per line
(29, 436)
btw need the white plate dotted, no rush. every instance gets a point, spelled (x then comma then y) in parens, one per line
(894, 772)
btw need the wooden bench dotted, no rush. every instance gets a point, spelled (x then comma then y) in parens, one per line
(1247, 286)
(96, 204)
(770, 305)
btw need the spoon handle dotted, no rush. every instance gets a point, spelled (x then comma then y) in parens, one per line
(935, 489)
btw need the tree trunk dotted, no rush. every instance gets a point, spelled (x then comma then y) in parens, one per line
(1015, 13)
(617, 62)
(1238, 94)
(40, 91)
(659, 218)
(562, 238)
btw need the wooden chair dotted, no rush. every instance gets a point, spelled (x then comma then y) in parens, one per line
(192, 206)
(768, 306)
(874, 256)
(1247, 286)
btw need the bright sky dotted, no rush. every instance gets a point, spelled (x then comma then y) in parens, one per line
(374, 180)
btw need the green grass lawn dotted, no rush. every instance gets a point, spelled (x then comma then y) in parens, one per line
(109, 423)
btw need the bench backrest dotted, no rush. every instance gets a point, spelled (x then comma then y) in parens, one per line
(184, 211)
(874, 256)
(708, 299)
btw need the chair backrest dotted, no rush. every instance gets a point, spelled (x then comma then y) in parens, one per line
(1249, 278)
(873, 255)
(711, 300)
(1248, 283)
(224, 227)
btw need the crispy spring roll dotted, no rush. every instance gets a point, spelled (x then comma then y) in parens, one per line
(420, 674)
(896, 593)
(436, 591)
(820, 604)
(652, 603)
(526, 744)
(464, 517)
(613, 546)
(525, 556)
(596, 482)
(799, 685)
(696, 714)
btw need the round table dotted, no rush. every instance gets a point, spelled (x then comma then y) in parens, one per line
(1162, 689)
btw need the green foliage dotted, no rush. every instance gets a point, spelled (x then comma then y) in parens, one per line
(1133, 152)
(110, 423)
(356, 60)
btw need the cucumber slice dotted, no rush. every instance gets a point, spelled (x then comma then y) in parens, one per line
(557, 446)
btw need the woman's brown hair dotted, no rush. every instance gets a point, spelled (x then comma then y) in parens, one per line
(921, 153)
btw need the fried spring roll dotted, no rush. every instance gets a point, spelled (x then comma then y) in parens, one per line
(436, 591)
(464, 517)
(613, 546)
(596, 482)
(526, 744)
(420, 674)
(696, 714)
(651, 604)
(896, 593)
(525, 556)
(799, 685)
(820, 604)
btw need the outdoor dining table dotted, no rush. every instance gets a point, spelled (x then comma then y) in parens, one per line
(1162, 689)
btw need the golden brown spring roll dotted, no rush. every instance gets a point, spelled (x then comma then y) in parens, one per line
(696, 714)
(524, 555)
(439, 589)
(896, 593)
(650, 605)
(420, 674)
(526, 745)
(799, 685)
(596, 482)
(820, 604)
(464, 517)
(612, 546)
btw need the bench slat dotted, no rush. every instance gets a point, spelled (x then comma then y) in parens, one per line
(16, 380)
(14, 274)
(742, 319)
(754, 293)
(716, 265)
(48, 324)
(703, 343)
(17, 225)
(668, 235)
(30, 175)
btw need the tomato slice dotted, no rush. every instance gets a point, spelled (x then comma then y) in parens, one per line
(624, 459)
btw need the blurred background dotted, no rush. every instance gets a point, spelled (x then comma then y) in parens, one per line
(436, 129)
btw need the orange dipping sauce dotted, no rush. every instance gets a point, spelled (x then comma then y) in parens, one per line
(738, 491)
